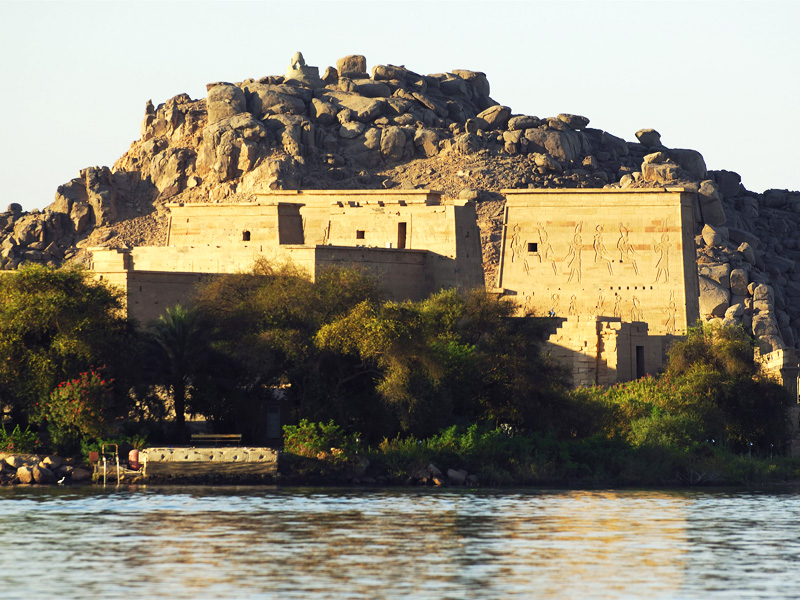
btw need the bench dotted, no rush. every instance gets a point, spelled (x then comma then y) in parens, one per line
(212, 439)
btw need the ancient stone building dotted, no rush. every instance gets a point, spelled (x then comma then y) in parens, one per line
(625, 254)
(618, 265)
(412, 241)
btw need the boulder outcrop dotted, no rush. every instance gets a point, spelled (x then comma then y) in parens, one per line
(387, 126)
(35, 469)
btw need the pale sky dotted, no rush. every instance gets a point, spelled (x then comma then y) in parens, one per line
(720, 77)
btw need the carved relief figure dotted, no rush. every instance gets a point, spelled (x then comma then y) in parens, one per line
(671, 310)
(554, 308)
(662, 250)
(601, 301)
(546, 248)
(618, 307)
(573, 309)
(600, 251)
(626, 249)
(573, 257)
(516, 243)
(527, 308)
(636, 310)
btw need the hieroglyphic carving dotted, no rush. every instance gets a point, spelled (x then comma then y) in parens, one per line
(618, 307)
(671, 310)
(326, 233)
(527, 308)
(554, 308)
(600, 251)
(573, 308)
(636, 310)
(546, 251)
(573, 257)
(626, 249)
(516, 243)
(662, 251)
(600, 306)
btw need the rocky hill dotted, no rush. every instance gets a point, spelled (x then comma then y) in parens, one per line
(392, 127)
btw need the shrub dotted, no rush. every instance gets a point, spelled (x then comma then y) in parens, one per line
(319, 440)
(75, 411)
(18, 440)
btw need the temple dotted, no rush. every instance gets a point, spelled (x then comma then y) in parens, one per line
(615, 270)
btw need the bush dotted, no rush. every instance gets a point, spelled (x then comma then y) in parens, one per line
(54, 323)
(75, 412)
(319, 440)
(24, 442)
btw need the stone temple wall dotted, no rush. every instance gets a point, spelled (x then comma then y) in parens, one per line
(414, 244)
(148, 290)
(297, 217)
(603, 351)
(627, 254)
(782, 367)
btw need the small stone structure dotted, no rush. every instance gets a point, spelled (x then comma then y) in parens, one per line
(604, 350)
(782, 367)
(192, 463)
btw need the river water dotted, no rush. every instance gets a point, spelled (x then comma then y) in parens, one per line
(257, 542)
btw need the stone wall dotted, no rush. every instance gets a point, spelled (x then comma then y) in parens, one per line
(627, 254)
(214, 463)
(147, 292)
(603, 351)
(277, 216)
(781, 366)
(411, 242)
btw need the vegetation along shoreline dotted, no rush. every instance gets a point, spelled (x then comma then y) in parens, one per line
(452, 389)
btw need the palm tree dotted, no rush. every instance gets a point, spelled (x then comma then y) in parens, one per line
(181, 352)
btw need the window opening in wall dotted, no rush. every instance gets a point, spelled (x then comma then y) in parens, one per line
(640, 372)
(245, 236)
(401, 235)
(359, 234)
(533, 247)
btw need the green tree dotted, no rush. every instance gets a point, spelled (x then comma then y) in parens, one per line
(711, 389)
(717, 363)
(180, 357)
(451, 356)
(265, 323)
(55, 324)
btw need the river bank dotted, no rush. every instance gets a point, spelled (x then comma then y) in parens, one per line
(564, 468)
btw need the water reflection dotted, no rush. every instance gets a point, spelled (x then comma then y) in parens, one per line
(270, 543)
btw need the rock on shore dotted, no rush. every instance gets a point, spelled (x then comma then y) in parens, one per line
(33, 469)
